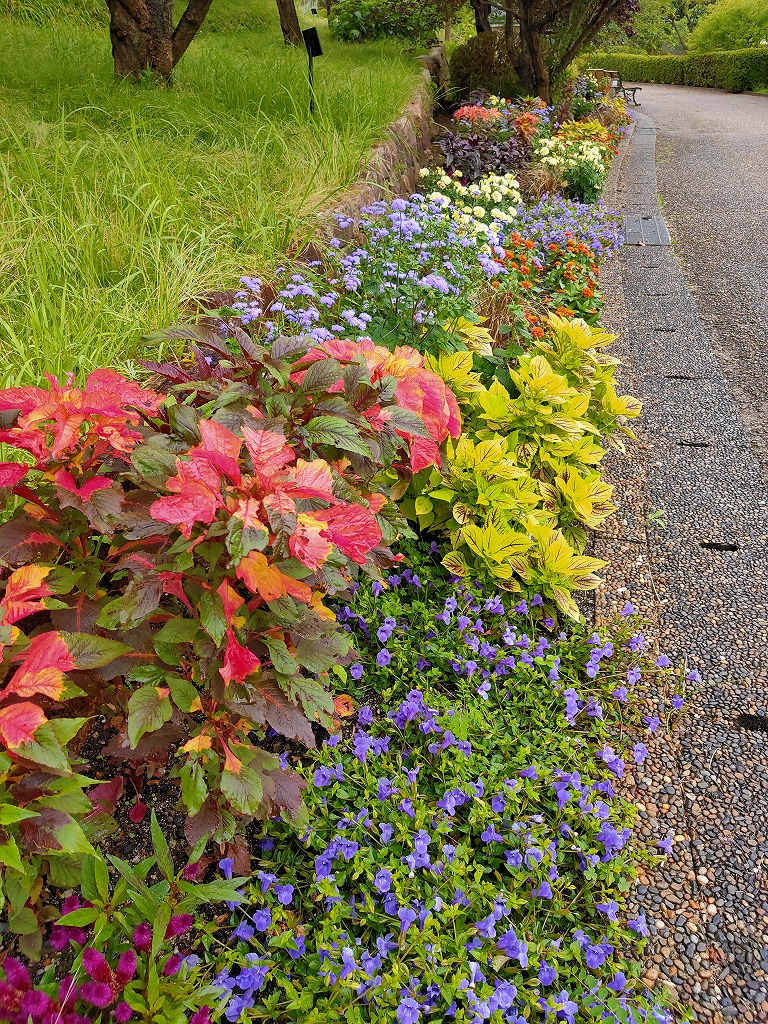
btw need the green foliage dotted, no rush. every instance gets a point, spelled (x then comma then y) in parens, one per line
(470, 823)
(483, 62)
(365, 20)
(732, 25)
(658, 26)
(734, 70)
(122, 202)
(122, 941)
(522, 481)
(177, 574)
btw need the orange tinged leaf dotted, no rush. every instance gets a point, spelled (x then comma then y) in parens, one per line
(268, 581)
(231, 763)
(344, 705)
(319, 608)
(198, 743)
(24, 590)
(311, 480)
(19, 722)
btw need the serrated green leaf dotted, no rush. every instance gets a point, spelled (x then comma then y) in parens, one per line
(148, 709)
(337, 432)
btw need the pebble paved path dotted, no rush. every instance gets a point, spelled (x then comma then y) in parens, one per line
(693, 338)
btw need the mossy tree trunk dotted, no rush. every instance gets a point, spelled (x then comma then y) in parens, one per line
(143, 36)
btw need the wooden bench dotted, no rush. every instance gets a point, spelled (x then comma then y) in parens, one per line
(629, 92)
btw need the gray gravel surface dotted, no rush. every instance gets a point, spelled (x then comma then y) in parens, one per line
(706, 781)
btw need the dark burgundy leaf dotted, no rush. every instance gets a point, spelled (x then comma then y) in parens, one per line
(268, 705)
(105, 796)
(204, 823)
(288, 787)
(25, 540)
(138, 812)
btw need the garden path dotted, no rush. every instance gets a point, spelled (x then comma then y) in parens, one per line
(693, 321)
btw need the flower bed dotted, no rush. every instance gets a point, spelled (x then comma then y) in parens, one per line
(354, 520)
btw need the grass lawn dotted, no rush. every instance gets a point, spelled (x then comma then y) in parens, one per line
(117, 201)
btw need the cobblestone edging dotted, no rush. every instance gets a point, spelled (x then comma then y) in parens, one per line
(393, 167)
(704, 783)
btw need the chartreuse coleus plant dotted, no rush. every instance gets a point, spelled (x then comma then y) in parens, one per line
(165, 562)
(522, 483)
(468, 856)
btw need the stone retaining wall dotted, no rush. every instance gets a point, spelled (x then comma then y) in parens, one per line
(393, 167)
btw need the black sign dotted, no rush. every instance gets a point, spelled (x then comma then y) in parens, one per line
(312, 42)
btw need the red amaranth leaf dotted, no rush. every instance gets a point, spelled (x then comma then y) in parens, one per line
(11, 473)
(18, 723)
(352, 528)
(239, 662)
(268, 450)
(105, 796)
(138, 812)
(198, 489)
(309, 542)
(24, 592)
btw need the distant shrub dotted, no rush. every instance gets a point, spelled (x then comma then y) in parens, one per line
(363, 20)
(483, 63)
(733, 70)
(732, 25)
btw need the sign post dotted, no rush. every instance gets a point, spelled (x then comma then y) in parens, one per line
(314, 49)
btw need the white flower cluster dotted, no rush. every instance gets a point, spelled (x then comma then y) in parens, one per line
(495, 197)
(568, 154)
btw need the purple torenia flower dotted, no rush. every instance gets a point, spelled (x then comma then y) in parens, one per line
(383, 880)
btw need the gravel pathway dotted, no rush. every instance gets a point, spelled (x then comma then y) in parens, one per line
(702, 566)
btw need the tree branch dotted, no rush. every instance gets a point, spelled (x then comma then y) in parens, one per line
(188, 25)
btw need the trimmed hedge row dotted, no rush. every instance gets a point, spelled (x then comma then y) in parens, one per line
(734, 70)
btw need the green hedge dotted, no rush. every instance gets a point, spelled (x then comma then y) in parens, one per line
(734, 70)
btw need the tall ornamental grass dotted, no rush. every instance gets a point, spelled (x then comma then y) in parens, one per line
(117, 202)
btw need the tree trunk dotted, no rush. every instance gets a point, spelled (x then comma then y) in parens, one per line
(530, 64)
(143, 37)
(289, 23)
(482, 12)
(141, 32)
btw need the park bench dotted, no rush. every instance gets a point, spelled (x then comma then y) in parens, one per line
(610, 81)
(629, 92)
